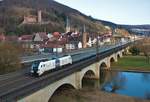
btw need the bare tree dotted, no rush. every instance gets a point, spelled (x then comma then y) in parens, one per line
(144, 47)
(9, 58)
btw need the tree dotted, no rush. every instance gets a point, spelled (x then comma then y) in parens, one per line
(144, 47)
(9, 58)
(134, 50)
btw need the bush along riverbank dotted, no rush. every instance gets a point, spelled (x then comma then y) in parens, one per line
(132, 63)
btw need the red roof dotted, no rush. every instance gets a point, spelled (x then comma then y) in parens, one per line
(62, 41)
(26, 38)
(56, 34)
(55, 44)
(2, 37)
(12, 38)
(75, 34)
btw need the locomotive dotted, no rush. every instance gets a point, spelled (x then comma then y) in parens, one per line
(39, 67)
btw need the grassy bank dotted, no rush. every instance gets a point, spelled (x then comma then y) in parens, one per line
(132, 63)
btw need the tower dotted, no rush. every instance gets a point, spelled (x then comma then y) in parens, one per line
(67, 25)
(84, 39)
(39, 16)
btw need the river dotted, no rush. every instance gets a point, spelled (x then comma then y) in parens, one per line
(126, 83)
(132, 84)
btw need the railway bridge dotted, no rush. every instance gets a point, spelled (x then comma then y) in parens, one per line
(75, 79)
(28, 89)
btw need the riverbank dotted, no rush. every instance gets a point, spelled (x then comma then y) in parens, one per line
(132, 63)
(92, 95)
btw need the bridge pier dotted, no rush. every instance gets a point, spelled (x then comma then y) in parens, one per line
(78, 80)
(97, 71)
(121, 53)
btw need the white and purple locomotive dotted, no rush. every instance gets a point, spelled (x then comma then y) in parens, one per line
(39, 67)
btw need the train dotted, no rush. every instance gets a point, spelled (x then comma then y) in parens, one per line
(38, 68)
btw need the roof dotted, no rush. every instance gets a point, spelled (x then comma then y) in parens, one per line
(55, 44)
(26, 38)
(2, 37)
(43, 35)
(56, 34)
(12, 38)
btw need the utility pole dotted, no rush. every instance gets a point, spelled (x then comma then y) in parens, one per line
(113, 33)
(97, 47)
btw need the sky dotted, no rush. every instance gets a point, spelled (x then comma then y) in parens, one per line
(118, 11)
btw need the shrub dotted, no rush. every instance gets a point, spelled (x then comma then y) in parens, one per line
(134, 50)
(9, 58)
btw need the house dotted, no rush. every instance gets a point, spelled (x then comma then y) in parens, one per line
(49, 35)
(26, 41)
(52, 46)
(26, 38)
(40, 37)
(2, 37)
(57, 35)
(11, 38)
(80, 45)
(73, 40)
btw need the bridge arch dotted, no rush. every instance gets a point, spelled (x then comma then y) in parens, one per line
(87, 78)
(88, 73)
(112, 59)
(60, 90)
(91, 72)
(55, 89)
(118, 56)
(103, 65)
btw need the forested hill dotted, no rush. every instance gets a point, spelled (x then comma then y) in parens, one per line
(54, 15)
(135, 29)
(12, 14)
(138, 29)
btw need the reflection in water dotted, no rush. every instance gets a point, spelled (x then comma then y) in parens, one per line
(146, 77)
(126, 83)
(90, 83)
(112, 81)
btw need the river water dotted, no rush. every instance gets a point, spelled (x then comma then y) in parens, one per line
(126, 83)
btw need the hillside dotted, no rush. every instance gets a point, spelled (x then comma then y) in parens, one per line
(12, 14)
(138, 29)
(54, 14)
(135, 29)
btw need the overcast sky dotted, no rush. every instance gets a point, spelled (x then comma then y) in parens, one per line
(117, 11)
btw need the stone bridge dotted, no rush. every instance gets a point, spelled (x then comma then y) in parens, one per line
(74, 80)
